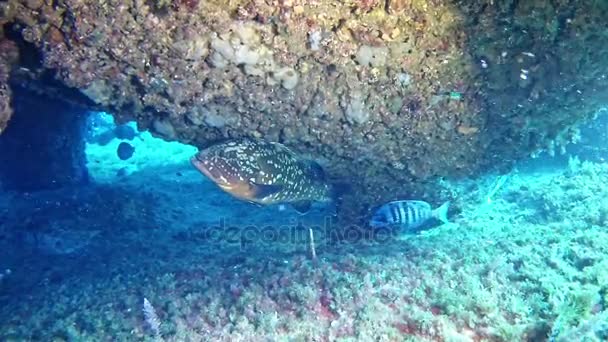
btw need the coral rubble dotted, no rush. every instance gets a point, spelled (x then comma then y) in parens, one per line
(386, 94)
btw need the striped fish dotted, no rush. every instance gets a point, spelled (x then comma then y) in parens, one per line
(407, 215)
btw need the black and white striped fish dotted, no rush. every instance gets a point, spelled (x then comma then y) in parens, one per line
(407, 215)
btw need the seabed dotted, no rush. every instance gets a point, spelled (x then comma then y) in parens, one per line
(525, 258)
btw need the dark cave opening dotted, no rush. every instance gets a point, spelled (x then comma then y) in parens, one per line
(43, 147)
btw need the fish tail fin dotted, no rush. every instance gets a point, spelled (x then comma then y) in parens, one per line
(441, 213)
(314, 169)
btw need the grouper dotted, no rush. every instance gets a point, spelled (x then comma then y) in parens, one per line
(265, 173)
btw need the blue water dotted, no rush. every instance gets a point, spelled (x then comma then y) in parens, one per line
(526, 259)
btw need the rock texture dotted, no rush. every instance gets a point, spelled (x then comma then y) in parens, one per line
(8, 57)
(387, 95)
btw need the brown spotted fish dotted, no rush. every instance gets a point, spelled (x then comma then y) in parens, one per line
(264, 173)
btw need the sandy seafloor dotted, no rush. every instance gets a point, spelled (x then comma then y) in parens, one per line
(531, 265)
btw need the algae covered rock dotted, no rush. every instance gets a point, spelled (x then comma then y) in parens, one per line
(389, 94)
(8, 57)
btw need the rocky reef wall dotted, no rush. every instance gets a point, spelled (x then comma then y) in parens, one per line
(8, 57)
(387, 95)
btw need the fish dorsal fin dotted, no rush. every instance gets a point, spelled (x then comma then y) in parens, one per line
(302, 207)
(280, 147)
(265, 190)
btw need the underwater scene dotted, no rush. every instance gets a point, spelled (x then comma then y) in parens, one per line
(304, 170)
(153, 250)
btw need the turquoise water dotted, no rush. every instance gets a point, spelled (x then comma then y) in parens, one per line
(526, 258)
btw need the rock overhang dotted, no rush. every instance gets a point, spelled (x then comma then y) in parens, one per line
(385, 95)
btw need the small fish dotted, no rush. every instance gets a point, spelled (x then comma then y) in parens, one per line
(125, 150)
(407, 215)
(264, 173)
